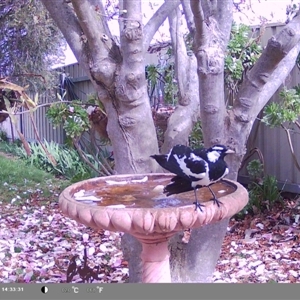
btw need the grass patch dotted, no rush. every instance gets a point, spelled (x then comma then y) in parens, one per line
(20, 181)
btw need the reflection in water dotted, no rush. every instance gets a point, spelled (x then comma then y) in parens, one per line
(143, 192)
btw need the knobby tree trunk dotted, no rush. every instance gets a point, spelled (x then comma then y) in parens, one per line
(118, 75)
(258, 86)
(186, 114)
(196, 261)
(212, 23)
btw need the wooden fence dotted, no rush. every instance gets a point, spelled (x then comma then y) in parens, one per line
(272, 142)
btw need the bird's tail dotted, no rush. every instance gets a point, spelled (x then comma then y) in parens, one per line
(161, 159)
(178, 185)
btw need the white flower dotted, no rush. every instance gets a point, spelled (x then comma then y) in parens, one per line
(85, 237)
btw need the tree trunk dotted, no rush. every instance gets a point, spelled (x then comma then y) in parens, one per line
(196, 261)
(130, 124)
(118, 75)
(186, 114)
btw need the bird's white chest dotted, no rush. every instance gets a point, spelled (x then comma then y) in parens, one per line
(206, 180)
(203, 181)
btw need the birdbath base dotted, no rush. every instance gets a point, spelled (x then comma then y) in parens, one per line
(135, 204)
(155, 260)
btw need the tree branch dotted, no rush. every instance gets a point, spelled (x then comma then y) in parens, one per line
(188, 16)
(67, 22)
(157, 19)
(209, 48)
(83, 157)
(181, 122)
(224, 17)
(131, 33)
(198, 13)
(288, 135)
(262, 81)
(252, 98)
(93, 31)
(180, 53)
(99, 7)
(96, 62)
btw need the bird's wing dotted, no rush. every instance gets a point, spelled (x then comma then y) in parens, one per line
(197, 166)
(161, 159)
(176, 159)
(193, 167)
(178, 185)
(183, 162)
(169, 164)
(169, 161)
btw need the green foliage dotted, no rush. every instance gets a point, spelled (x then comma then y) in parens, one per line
(170, 87)
(68, 161)
(264, 195)
(196, 136)
(263, 191)
(18, 180)
(285, 114)
(14, 148)
(3, 136)
(255, 170)
(288, 110)
(75, 120)
(93, 99)
(73, 117)
(30, 43)
(242, 52)
(152, 74)
(163, 76)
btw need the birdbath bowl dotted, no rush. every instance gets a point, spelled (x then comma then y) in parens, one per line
(135, 204)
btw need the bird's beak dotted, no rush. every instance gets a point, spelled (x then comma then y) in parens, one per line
(229, 151)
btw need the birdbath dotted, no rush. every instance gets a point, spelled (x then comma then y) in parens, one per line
(135, 204)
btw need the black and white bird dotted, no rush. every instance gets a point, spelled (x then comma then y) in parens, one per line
(194, 169)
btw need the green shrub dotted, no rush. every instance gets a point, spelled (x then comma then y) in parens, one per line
(287, 111)
(3, 136)
(68, 161)
(263, 190)
(196, 136)
(73, 117)
(264, 195)
(242, 52)
(14, 148)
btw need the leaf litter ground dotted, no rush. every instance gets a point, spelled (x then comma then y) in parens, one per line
(39, 244)
(262, 248)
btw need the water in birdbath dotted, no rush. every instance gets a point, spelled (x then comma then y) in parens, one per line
(143, 192)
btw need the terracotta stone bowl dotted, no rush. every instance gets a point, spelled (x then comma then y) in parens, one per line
(135, 204)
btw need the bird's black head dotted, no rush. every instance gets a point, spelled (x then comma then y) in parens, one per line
(217, 152)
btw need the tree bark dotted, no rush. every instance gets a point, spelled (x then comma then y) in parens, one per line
(258, 86)
(118, 75)
(157, 19)
(186, 114)
(196, 261)
(209, 46)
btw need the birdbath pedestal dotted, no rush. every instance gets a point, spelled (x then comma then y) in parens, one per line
(135, 204)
